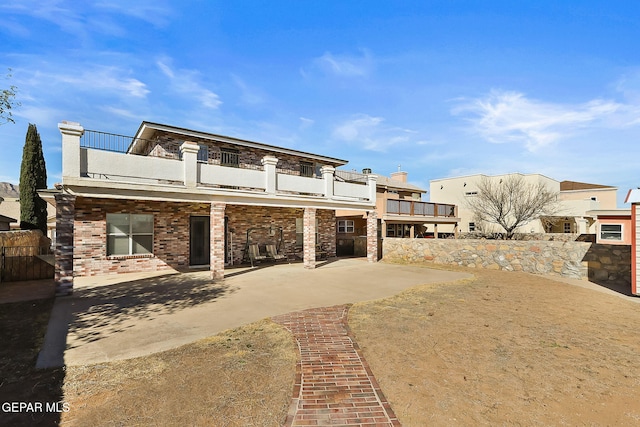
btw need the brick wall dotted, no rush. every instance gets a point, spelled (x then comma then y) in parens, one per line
(248, 157)
(171, 232)
(241, 218)
(170, 243)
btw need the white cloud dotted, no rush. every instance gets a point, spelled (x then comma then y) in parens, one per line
(249, 95)
(504, 116)
(345, 65)
(370, 133)
(186, 83)
(306, 123)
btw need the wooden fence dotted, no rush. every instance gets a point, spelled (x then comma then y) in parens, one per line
(22, 263)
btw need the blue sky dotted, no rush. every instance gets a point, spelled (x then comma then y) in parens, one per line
(442, 88)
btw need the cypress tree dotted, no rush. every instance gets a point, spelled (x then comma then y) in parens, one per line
(33, 177)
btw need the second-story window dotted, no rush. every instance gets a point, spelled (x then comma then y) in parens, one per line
(203, 154)
(306, 169)
(229, 157)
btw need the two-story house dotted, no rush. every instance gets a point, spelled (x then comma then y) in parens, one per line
(170, 197)
(400, 211)
(576, 202)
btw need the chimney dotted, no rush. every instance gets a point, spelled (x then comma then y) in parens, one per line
(366, 171)
(399, 176)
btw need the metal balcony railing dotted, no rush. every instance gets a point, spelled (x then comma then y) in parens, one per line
(410, 207)
(105, 141)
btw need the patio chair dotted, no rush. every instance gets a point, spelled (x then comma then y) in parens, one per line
(273, 254)
(254, 253)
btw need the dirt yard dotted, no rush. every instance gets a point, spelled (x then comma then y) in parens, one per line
(500, 349)
(504, 349)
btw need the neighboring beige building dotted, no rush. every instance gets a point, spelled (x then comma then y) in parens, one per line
(576, 200)
(400, 211)
(10, 207)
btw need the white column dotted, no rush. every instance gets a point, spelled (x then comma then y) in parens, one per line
(327, 175)
(371, 182)
(71, 133)
(189, 152)
(269, 163)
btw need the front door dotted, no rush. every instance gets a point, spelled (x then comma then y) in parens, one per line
(199, 240)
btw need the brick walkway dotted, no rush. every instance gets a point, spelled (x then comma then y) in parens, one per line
(334, 384)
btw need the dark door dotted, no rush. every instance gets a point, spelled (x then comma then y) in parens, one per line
(199, 240)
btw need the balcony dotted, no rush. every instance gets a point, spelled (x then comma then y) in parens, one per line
(94, 158)
(426, 209)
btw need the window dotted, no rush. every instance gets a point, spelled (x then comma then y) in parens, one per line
(611, 232)
(567, 227)
(129, 234)
(472, 226)
(471, 193)
(399, 230)
(306, 169)
(300, 232)
(229, 157)
(346, 226)
(203, 154)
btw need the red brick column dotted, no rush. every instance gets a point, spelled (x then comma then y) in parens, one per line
(309, 237)
(216, 237)
(65, 216)
(372, 236)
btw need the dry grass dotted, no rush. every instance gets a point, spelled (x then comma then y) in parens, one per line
(504, 349)
(242, 377)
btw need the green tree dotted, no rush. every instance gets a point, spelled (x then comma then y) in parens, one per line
(7, 103)
(33, 177)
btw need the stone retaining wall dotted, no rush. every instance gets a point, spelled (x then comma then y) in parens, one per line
(579, 260)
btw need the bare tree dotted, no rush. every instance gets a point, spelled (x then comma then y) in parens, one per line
(7, 102)
(512, 202)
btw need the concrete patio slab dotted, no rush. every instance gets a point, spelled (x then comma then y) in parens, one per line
(126, 317)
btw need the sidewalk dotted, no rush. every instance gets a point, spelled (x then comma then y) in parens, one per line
(334, 384)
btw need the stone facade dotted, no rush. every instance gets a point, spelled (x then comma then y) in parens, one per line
(555, 258)
(609, 264)
(603, 264)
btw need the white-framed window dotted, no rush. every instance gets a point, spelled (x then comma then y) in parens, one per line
(472, 226)
(346, 226)
(611, 232)
(129, 234)
(300, 232)
(471, 193)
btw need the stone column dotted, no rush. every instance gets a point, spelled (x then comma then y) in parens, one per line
(189, 152)
(372, 236)
(270, 163)
(216, 241)
(309, 237)
(65, 216)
